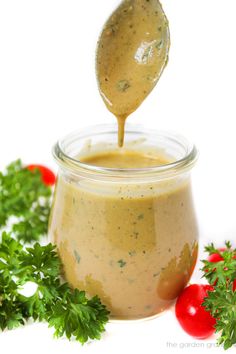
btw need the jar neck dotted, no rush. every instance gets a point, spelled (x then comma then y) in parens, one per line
(67, 153)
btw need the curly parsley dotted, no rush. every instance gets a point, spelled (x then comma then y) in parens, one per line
(221, 302)
(24, 202)
(24, 210)
(69, 311)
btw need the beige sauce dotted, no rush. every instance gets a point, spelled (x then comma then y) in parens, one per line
(132, 244)
(131, 55)
(124, 159)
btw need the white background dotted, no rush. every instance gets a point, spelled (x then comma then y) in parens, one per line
(48, 88)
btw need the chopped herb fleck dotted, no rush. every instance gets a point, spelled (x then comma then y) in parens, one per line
(77, 256)
(123, 85)
(150, 78)
(112, 29)
(132, 253)
(140, 217)
(159, 45)
(156, 274)
(147, 54)
(121, 263)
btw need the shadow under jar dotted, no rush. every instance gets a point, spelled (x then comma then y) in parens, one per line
(128, 235)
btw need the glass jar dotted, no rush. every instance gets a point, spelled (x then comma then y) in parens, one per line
(129, 236)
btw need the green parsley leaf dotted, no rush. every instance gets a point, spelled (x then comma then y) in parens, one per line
(75, 315)
(69, 311)
(221, 302)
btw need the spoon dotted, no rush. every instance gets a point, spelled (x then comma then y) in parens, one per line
(131, 54)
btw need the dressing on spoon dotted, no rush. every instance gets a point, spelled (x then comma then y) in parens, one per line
(131, 55)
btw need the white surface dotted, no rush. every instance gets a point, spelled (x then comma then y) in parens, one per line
(48, 88)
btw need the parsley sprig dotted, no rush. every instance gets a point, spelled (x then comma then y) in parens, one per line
(69, 311)
(221, 302)
(24, 197)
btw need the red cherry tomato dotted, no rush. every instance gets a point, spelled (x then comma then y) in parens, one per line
(234, 285)
(48, 177)
(216, 257)
(190, 313)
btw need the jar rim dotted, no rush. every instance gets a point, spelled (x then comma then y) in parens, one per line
(77, 167)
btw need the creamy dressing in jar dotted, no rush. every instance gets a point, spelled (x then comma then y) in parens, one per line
(128, 235)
